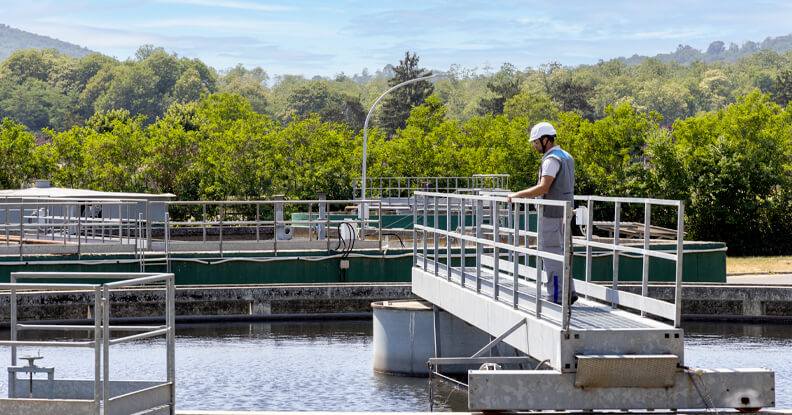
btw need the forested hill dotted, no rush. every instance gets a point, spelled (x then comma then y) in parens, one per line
(717, 51)
(14, 39)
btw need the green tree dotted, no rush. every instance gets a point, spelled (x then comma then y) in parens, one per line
(18, 162)
(398, 104)
(503, 86)
(783, 88)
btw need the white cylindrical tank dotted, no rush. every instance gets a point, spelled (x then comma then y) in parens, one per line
(404, 338)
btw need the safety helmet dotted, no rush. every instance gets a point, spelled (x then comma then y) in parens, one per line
(540, 130)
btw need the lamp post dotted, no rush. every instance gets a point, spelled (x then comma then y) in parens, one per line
(363, 214)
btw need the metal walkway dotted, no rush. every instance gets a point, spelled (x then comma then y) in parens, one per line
(610, 350)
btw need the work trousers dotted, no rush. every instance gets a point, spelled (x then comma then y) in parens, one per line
(551, 240)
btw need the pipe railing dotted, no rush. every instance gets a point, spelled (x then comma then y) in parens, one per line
(399, 189)
(214, 221)
(506, 248)
(502, 247)
(101, 327)
(76, 223)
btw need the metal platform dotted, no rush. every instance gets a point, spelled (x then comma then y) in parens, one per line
(610, 350)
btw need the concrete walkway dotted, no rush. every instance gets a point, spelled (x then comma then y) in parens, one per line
(784, 278)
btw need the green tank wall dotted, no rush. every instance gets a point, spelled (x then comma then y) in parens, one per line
(699, 265)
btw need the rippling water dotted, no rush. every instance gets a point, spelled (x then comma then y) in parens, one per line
(327, 366)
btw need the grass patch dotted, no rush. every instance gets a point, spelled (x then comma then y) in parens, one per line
(770, 264)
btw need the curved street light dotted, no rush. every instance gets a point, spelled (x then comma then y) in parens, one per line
(363, 214)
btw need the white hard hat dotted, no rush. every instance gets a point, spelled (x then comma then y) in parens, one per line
(540, 130)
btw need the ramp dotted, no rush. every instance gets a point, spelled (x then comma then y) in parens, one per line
(610, 350)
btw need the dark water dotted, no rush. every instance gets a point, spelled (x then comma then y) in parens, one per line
(327, 366)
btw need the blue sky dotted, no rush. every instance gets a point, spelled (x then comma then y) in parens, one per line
(329, 37)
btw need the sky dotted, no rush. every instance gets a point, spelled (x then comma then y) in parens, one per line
(329, 37)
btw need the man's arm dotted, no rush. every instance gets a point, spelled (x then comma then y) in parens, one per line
(541, 188)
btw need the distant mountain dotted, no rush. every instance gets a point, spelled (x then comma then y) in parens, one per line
(717, 51)
(14, 39)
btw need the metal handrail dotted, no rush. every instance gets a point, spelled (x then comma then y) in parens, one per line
(492, 219)
(401, 187)
(101, 327)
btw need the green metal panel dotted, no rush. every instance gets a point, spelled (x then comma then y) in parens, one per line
(700, 265)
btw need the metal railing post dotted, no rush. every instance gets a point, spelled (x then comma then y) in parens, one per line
(589, 239)
(539, 259)
(645, 262)
(567, 277)
(425, 231)
(680, 254)
(495, 219)
(462, 247)
(448, 237)
(170, 316)
(106, 344)
(415, 229)
(479, 236)
(98, 313)
(616, 232)
(167, 242)
(514, 256)
(435, 236)
(220, 231)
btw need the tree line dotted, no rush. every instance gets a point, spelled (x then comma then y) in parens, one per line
(731, 162)
(733, 166)
(46, 89)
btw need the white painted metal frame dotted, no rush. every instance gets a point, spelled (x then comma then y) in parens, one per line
(400, 188)
(641, 302)
(493, 218)
(52, 220)
(102, 329)
(489, 220)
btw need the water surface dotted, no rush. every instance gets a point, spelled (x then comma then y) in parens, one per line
(327, 366)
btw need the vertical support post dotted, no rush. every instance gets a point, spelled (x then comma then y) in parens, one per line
(98, 313)
(646, 247)
(514, 255)
(170, 315)
(539, 259)
(616, 226)
(680, 254)
(567, 277)
(139, 242)
(167, 243)
(148, 221)
(310, 222)
(321, 235)
(220, 231)
(258, 217)
(479, 236)
(379, 224)
(79, 237)
(277, 209)
(425, 231)
(22, 232)
(13, 322)
(448, 237)
(495, 219)
(415, 228)
(435, 235)
(462, 251)
(106, 343)
(589, 238)
(203, 221)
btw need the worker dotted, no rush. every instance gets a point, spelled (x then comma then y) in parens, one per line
(556, 182)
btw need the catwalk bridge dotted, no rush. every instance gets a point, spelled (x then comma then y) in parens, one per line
(476, 257)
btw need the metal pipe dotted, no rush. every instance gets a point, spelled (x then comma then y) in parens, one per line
(365, 133)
